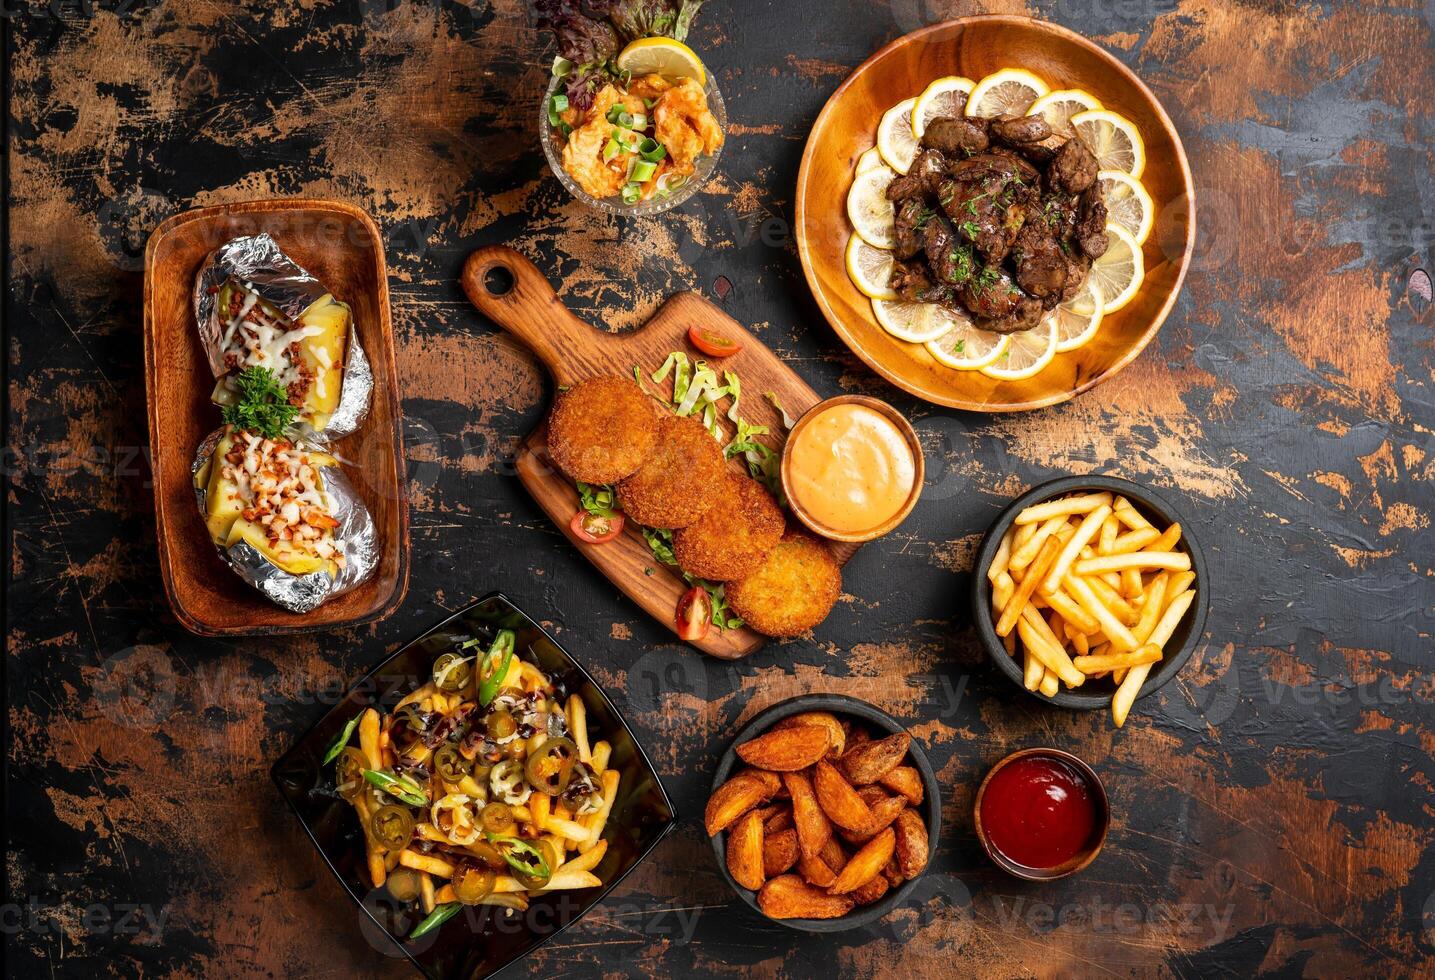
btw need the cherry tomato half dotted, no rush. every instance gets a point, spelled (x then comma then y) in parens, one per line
(596, 529)
(695, 614)
(712, 343)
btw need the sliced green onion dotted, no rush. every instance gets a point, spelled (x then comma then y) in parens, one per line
(637, 121)
(553, 119)
(560, 103)
(567, 129)
(652, 151)
(643, 171)
(649, 103)
(610, 150)
(561, 66)
(338, 744)
(615, 113)
(435, 919)
(632, 193)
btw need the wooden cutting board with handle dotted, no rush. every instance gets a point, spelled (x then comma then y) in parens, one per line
(573, 350)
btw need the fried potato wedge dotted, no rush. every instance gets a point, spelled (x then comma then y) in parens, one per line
(733, 798)
(745, 857)
(779, 821)
(779, 852)
(789, 897)
(912, 843)
(786, 749)
(869, 762)
(884, 811)
(827, 720)
(905, 780)
(813, 828)
(872, 891)
(838, 799)
(770, 780)
(866, 864)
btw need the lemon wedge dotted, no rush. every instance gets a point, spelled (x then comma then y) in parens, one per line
(1026, 354)
(916, 323)
(870, 268)
(1127, 203)
(1009, 92)
(894, 136)
(1078, 319)
(943, 98)
(1058, 107)
(1118, 273)
(966, 348)
(662, 56)
(1113, 139)
(869, 160)
(871, 214)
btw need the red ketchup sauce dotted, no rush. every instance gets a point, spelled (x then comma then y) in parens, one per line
(1039, 811)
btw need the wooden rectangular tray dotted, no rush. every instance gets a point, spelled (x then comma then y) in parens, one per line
(572, 350)
(341, 246)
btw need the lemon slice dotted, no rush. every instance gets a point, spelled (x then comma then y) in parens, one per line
(1009, 92)
(1058, 107)
(869, 160)
(1118, 273)
(1078, 319)
(966, 348)
(870, 268)
(871, 214)
(916, 323)
(1026, 354)
(1127, 203)
(894, 136)
(945, 97)
(1113, 139)
(662, 56)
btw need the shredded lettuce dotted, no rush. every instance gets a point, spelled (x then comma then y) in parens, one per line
(660, 543)
(600, 501)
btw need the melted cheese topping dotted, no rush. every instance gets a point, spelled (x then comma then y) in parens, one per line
(259, 339)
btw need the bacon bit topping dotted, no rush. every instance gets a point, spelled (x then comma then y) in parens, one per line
(280, 488)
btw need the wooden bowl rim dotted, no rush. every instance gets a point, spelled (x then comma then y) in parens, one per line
(1075, 864)
(183, 613)
(919, 475)
(1183, 167)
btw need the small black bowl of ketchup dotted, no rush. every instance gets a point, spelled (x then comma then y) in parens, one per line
(1042, 814)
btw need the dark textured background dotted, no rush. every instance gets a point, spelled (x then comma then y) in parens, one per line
(1273, 808)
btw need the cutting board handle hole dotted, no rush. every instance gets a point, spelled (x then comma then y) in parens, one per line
(498, 280)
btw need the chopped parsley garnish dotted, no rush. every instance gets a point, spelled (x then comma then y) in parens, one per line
(971, 229)
(262, 405)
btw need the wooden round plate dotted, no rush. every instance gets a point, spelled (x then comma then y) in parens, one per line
(974, 47)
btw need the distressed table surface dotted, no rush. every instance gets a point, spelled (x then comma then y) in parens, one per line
(1273, 808)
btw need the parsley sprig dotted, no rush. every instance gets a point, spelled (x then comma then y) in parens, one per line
(262, 405)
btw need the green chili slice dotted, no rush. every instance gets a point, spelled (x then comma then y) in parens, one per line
(400, 787)
(529, 865)
(337, 746)
(491, 674)
(435, 919)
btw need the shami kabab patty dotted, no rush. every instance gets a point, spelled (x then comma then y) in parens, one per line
(602, 429)
(793, 589)
(734, 536)
(674, 486)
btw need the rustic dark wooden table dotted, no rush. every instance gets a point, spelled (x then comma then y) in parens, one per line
(1273, 808)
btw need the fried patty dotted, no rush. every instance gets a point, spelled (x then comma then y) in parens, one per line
(674, 486)
(602, 429)
(792, 591)
(734, 536)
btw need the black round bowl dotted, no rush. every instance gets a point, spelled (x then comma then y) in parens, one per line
(883, 725)
(1155, 508)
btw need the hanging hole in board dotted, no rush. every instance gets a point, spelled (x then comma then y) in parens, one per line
(498, 280)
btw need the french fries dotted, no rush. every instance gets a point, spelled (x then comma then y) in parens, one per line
(846, 829)
(1085, 587)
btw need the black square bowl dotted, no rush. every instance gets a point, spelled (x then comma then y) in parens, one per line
(482, 939)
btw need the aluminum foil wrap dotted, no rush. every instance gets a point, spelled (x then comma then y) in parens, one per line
(258, 263)
(356, 536)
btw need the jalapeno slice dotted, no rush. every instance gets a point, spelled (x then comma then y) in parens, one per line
(494, 664)
(456, 817)
(472, 884)
(392, 827)
(500, 725)
(487, 855)
(450, 764)
(497, 818)
(551, 767)
(453, 672)
(349, 773)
